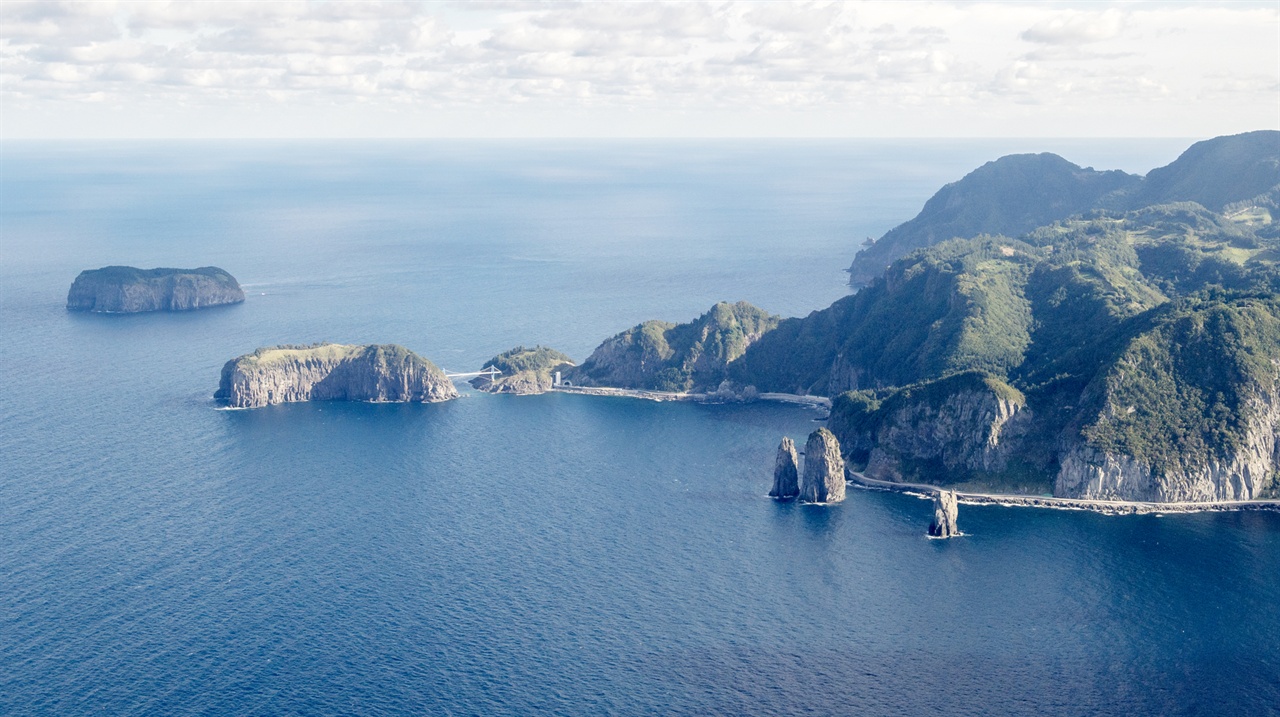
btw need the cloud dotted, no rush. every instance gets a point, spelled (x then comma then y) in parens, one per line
(639, 57)
(1076, 28)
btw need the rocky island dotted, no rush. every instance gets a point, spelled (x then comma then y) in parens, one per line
(331, 372)
(786, 472)
(525, 371)
(824, 479)
(128, 290)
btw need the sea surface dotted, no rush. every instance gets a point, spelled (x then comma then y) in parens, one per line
(554, 554)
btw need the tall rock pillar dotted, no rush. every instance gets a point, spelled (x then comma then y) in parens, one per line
(786, 472)
(945, 510)
(823, 469)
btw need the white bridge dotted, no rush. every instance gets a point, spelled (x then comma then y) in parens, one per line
(491, 372)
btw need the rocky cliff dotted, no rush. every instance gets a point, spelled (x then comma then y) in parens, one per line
(823, 469)
(331, 372)
(1188, 411)
(956, 426)
(786, 471)
(125, 289)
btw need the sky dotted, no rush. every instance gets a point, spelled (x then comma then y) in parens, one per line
(318, 69)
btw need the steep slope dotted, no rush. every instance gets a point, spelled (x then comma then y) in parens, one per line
(958, 306)
(1010, 196)
(331, 372)
(128, 290)
(662, 356)
(1215, 172)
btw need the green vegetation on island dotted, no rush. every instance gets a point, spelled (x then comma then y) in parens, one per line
(1097, 335)
(127, 290)
(524, 370)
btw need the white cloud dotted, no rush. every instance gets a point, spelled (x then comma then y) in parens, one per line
(965, 67)
(1076, 27)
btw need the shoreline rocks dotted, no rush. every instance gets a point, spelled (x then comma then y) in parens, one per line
(823, 469)
(332, 372)
(945, 510)
(129, 290)
(786, 471)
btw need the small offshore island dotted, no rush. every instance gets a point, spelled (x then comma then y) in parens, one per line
(332, 372)
(1039, 329)
(129, 290)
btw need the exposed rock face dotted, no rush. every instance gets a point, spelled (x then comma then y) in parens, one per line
(823, 469)
(126, 290)
(522, 383)
(525, 371)
(960, 423)
(1189, 411)
(945, 510)
(332, 372)
(786, 471)
(1088, 472)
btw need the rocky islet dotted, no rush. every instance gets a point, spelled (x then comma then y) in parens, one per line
(129, 290)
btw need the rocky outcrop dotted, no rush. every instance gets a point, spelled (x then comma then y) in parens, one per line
(786, 471)
(127, 290)
(661, 356)
(823, 469)
(1188, 411)
(332, 372)
(524, 371)
(961, 424)
(1089, 472)
(945, 510)
(521, 383)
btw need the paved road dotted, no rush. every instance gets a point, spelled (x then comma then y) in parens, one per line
(1114, 507)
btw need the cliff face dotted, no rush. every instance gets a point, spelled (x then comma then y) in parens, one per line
(124, 289)
(786, 472)
(961, 425)
(1189, 411)
(332, 372)
(823, 469)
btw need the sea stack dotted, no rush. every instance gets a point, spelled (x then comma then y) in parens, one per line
(128, 290)
(332, 372)
(945, 510)
(786, 472)
(823, 469)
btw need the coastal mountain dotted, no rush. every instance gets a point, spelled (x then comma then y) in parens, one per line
(1216, 172)
(1130, 352)
(127, 290)
(1018, 193)
(662, 356)
(331, 372)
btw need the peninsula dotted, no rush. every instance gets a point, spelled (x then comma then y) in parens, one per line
(332, 372)
(1040, 329)
(128, 290)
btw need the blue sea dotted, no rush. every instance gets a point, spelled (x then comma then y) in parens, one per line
(555, 554)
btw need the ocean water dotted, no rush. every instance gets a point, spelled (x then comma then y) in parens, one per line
(553, 554)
